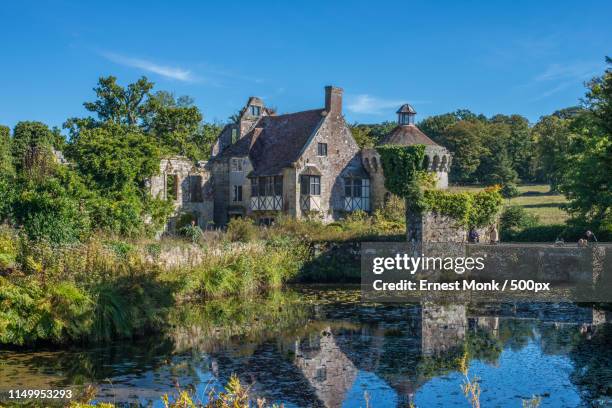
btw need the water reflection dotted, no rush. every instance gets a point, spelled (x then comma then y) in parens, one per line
(323, 348)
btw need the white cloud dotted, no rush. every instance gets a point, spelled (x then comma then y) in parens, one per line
(372, 105)
(179, 74)
(576, 71)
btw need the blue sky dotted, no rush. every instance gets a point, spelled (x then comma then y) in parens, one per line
(526, 57)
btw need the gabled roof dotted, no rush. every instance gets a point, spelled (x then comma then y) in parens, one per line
(276, 142)
(406, 135)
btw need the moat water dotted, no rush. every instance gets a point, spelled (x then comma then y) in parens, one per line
(323, 347)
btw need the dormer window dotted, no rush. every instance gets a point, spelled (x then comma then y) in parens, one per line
(255, 110)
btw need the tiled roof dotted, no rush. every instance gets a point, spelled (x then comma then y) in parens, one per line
(406, 108)
(406, 135)
(276, 141)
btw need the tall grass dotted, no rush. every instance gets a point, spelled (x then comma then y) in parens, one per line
(105, 288)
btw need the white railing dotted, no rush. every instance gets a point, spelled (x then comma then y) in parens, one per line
(356, 203)
(310, 203)
(266, 203)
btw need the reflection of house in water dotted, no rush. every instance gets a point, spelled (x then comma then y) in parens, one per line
(328, 370)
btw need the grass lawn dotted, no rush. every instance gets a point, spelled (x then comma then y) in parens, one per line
(536, 199)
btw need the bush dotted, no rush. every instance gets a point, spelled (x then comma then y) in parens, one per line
(515, 218)
(192, 232)
(241, 230)
(509, 190)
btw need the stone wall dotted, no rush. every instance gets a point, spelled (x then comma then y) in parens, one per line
(193, 190)
(342, 160)
(432, 227)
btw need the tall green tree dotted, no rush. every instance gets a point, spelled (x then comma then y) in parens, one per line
(464, 140)
(113, 156)
(118, 104)
(176, 124)
(551, 137)
(586, 180)
(519, 144)
(496, 165)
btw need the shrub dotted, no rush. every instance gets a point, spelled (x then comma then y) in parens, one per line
(8, 249)
(241, 230)
(192, 232)
(509, 190)
(515, 218)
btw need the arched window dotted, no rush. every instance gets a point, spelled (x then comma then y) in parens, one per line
(426, 163)
(444, 163)
(436, 163)
(375, 163)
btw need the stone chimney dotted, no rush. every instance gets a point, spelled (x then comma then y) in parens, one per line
(333, 99)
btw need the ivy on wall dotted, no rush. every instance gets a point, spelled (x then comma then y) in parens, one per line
(405, 177)
(403, 168)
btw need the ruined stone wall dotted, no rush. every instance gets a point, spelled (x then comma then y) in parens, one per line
(195, 199)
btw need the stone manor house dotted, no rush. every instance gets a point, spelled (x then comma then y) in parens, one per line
(302, 164)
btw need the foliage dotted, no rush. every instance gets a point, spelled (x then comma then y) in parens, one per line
(193, 232)
(114, 156)
(119, 105)
(8, 249)
(465, 140)
(30, 138)
(6, 158)
(404, 173)
(515, 218)
(50, 208)
(510, 190)
(552, 141)
(31, 312)
(241, 230)
(469, 209)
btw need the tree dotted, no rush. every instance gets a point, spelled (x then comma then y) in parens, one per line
(119, 105)
(586, 178)
(436, 126)
(464, 140)
(52, 208)
(496, 165)
(362, 135)
(175, 124)
(6, 158)
(114, 156)
(519, 145)
(30, 139)
(7, 173)
(551, 136)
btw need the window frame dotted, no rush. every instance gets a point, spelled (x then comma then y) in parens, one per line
(237, 196)
(322, 149)
(310, 185)
(236, 165)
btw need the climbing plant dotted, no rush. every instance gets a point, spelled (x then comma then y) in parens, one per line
(404, 174)
(405, 177)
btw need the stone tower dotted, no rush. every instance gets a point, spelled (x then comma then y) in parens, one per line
(406, 133)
